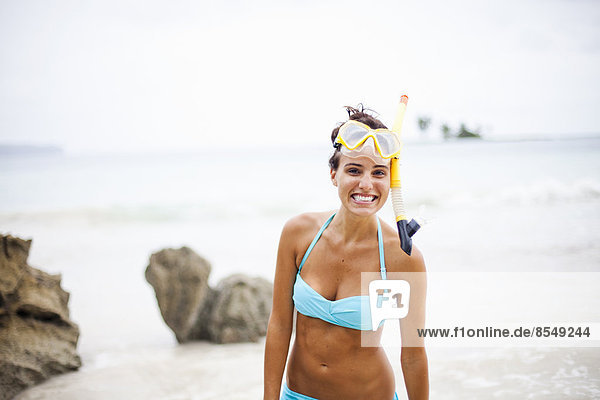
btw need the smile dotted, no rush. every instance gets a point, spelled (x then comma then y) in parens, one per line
(363, 198)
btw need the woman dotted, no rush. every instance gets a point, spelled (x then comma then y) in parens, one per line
(319, 263)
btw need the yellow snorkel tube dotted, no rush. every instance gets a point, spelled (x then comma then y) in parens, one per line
(405, 229)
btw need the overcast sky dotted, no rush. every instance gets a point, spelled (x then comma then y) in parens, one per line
(147, 75)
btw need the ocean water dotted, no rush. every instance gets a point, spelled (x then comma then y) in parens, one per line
(528, 206)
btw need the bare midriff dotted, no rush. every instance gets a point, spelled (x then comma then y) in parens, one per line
(327, 362)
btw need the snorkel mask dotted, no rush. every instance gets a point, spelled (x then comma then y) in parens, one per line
(356, 139)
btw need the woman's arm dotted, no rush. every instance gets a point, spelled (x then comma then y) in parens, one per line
(413, 357)
(279, 330)
(415, 371)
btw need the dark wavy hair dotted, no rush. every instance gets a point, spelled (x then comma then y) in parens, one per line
(360, 114)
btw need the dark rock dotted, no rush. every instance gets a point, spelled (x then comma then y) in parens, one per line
(236, 311)
(37, 338)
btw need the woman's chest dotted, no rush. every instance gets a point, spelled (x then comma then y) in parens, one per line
(337, 273)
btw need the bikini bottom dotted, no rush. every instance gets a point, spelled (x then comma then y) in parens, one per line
(289, 394)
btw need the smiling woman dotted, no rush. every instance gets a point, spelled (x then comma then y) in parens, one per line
(327, 360)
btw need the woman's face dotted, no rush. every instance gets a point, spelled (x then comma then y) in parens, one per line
(363, 184)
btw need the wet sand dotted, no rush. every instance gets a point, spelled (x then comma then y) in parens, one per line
(204, 371)
(198, 371)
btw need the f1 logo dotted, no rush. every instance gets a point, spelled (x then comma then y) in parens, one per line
(389, 299)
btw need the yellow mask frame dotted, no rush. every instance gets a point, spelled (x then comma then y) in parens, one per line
(352, 134)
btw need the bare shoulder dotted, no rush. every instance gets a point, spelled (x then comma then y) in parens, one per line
(297, 234)
(298, 231)
(305, 223)
(397, 260)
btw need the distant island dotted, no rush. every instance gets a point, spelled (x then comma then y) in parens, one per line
(447, 132)
(25, 149)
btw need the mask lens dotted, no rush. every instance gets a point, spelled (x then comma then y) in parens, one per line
(353, 135)
(365, 149)
(388, 143)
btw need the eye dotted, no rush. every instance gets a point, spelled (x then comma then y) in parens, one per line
(353, 171)
(380, 173)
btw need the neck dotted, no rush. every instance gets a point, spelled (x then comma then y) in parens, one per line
(352, 227)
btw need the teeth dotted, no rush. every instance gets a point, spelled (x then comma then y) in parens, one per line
(363, 198)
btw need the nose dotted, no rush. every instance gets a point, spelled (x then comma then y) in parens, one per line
(365, 182)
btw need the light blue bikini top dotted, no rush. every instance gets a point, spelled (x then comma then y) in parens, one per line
(344, 312)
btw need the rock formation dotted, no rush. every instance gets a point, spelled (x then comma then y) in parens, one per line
(241, 309)
(37, 338)
(180, 281)
(237, 310)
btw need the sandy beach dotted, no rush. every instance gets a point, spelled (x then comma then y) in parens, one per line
(203, 371)
(199, 371)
